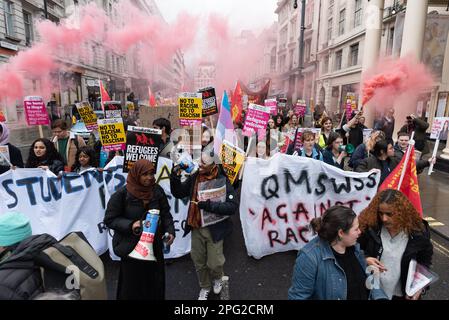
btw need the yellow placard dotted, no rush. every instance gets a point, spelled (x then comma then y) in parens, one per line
(88, 115)
(190, 108)
(232, 160)
(112, 132)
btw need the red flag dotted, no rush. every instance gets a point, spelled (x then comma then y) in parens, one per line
(237, 104)
(151, 98)
(409, 186)
(104, 94)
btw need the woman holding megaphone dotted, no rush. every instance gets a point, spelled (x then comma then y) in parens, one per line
(139, 214)
(335, 151)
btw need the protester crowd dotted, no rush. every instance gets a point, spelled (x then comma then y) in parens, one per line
(387, 235)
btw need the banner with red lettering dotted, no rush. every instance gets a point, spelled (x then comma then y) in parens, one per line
(280, 196)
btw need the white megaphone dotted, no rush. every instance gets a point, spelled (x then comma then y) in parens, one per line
(144, 248)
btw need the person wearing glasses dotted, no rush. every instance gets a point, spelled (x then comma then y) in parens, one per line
(393, 234)
(65, 142)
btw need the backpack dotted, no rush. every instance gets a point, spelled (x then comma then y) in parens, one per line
(71, 264)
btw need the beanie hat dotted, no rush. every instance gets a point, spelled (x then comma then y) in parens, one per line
(14, 227)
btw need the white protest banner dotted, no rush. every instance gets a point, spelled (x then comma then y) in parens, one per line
(57, 206)
(280, 196)
(115, 179)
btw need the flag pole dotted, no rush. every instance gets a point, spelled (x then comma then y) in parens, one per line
(434, 154)
(407, 158)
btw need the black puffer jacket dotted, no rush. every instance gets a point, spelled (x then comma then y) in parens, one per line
(418, 247)
(124, 209)
(20, 277)
(184, 189)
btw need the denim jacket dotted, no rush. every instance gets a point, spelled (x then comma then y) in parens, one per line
(317, 275)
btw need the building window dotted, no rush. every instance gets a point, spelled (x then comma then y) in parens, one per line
(390, 41)
(330, 10)
(27, 20)
(358, 13)
(9, 17)
(325, 65)
(273, 60)
(354, 55)
(292, 30)
(338, 59)
(94, 56)
(307, 50)
(329, 29)
(290, 65)
(283, 38)
(341, 22)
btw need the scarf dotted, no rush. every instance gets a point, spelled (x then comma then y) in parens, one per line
(206, 173)
(133, 185)
(4, 135)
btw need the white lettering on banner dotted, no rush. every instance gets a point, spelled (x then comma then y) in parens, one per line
(178, 207)
(77, 202)
(280, 196)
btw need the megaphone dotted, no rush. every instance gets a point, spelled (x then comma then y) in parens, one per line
(349, 148)
(144, 248)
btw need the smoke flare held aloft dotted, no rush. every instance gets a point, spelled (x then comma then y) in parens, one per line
(395, 80)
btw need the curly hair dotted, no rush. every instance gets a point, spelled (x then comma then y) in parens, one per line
(405, 214)
(50, 155)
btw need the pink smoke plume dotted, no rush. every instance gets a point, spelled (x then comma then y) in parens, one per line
(65, 44)
(394, 80)
(236, 55)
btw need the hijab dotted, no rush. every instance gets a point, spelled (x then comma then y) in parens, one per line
(4, 135)
(133, 185)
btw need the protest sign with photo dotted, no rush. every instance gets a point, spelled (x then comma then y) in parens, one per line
(209, 101)
(256, 120)
(300, 108)
(112, 134)
(35, 111)
(88, 115)
(440, 129)
(280, 196)
(232, 159)
(148, 114)
(190, 109)
(351, 104)
(215, 191)
(366, 134)
(141, 143)
(112, 109)
(4, 156)
(272, 104)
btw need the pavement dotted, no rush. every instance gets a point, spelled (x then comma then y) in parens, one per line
(434, 191)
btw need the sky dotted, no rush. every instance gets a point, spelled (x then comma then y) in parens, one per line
(243, 14)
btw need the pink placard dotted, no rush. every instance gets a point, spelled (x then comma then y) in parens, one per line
(115, 147)
(35, 111)
(272, 104)
(187, 122)
(300, 108)
(256, 119)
